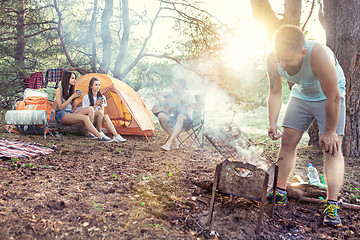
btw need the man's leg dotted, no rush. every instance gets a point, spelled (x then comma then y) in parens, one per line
(334, 172)
(334, 175)
(177, 129)
(164, 122)
(287, 154)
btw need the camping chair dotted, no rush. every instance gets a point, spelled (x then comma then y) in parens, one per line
(197, 126)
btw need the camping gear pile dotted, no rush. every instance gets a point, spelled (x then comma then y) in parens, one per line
(125, 108)
(245, 172)
(31, 115)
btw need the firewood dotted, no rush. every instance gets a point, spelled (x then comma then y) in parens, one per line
(299, 193)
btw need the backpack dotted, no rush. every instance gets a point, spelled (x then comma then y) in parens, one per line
(35, 103)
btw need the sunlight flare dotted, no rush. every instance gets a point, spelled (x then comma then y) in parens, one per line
(245, 45)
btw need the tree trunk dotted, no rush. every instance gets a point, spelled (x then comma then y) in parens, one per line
(262, 11)
(20, 40)
(342, 24)
(92, 32)
(106, 36)
(292, 12)
(124, 40)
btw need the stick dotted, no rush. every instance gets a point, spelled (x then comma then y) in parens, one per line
(296, 194)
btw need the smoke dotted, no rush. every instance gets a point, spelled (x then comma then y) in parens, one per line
(202, 77)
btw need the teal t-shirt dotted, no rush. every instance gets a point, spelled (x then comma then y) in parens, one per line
(307, 85)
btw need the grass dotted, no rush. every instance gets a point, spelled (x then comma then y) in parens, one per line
(97, 207)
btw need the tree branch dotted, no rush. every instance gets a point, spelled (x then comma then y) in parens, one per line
(139, 56)
(192, 6)
(37, 33)
(62, 42)
(308, 18)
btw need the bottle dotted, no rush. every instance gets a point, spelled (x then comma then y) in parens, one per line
(313, 175)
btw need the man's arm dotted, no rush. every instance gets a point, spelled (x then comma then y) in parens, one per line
(323, 66)
(274, 98)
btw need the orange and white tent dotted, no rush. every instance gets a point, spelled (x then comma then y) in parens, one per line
(125, 107)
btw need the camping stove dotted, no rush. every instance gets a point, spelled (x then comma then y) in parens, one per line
(245, 172)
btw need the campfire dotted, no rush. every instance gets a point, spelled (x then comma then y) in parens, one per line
(245, 172)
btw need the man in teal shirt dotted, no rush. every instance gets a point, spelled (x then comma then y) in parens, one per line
(318, 93)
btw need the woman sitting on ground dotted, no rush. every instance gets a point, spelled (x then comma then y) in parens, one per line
(97, 101)
(64, 107)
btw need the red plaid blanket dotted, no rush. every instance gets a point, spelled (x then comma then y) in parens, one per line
(10, 149)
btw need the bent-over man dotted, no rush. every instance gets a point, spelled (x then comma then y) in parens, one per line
(318, 93)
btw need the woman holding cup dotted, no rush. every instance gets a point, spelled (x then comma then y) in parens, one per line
(64, 113)
(97, 101)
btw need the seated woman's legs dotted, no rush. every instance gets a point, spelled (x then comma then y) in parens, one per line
(88, 111)
(75, 118)
(99, 119)
(110, 126)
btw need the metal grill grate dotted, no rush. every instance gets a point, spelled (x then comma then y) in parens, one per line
(234, 145)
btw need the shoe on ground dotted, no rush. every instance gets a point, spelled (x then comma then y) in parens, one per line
(165, 147)
(331, 217)
(103, 139)
(176, 145)
(103, 135)
(119, 138)
(90, 136)
(280, 199)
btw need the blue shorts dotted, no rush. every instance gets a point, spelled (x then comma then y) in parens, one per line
(60, 114)
(301, 113)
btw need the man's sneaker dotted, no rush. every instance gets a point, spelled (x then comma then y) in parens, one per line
(331, 217)
(104, 139)
(119, 138)
(90, 136)
(280, 199)
(103, 135)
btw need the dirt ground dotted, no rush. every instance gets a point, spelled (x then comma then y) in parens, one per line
(134, 190)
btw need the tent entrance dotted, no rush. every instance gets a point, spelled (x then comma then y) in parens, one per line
(116, 109)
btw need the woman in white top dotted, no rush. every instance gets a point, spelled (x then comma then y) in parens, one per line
(98, 102)
(64, 107)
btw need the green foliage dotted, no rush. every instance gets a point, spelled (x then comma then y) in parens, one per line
(200, 33)
(50, 90)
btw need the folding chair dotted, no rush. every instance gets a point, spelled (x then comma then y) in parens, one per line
(197, 126)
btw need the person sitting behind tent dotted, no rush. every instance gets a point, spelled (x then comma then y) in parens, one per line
(174, 111)
(64, 107)
(97, 101)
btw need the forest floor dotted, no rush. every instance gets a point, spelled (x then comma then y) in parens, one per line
(135, 190)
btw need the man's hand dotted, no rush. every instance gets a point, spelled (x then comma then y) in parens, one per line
(329, 142)
(273, 133)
